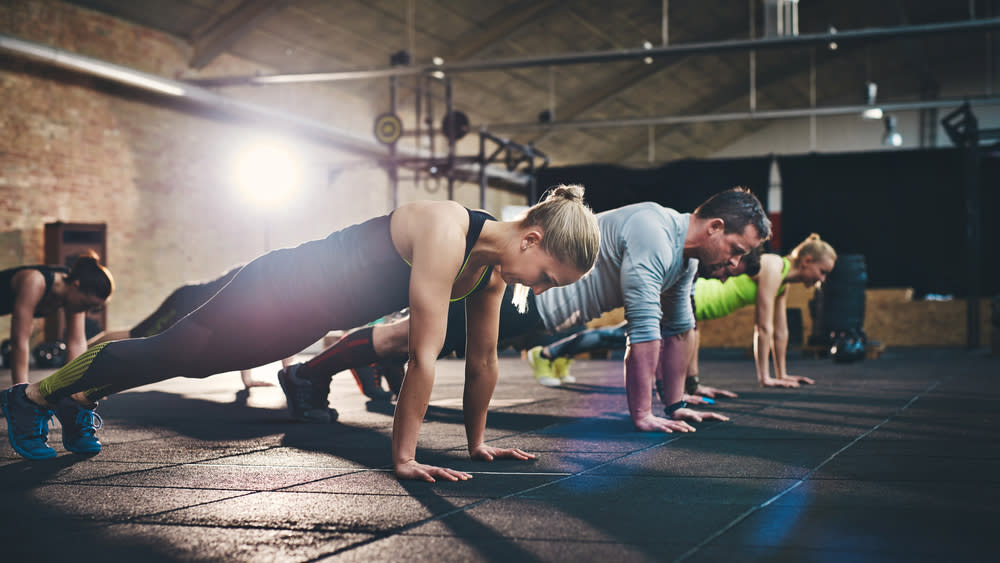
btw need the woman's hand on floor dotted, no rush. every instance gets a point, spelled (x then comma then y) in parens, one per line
(413, 470)
(489, 453)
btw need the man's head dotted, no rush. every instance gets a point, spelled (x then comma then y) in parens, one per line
(749, 265)
(729, 225)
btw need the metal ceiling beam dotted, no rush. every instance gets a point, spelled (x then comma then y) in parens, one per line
(597, 95)
(741, 116)
(805, 40)
(719, 99)
(228, 30)
(342, 139)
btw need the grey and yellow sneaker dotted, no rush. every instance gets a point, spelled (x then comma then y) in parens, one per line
(542, 368)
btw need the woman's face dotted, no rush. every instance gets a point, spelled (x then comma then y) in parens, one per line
(537, 269)
(77, 301)
(814, 272)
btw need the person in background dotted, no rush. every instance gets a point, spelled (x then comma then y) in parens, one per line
(809, 263)
(30, 292)
(179, 303)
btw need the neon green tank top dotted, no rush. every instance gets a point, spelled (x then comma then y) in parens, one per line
(714, 299)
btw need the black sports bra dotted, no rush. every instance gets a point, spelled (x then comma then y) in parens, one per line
(476, 221)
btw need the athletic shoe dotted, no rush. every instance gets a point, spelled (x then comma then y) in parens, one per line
(79, 427)
(306, 399)
(542, 368)
(560, 369)
(369, 381)
(27, 424)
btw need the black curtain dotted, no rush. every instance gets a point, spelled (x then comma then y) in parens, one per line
(905, 211)
(682, 185)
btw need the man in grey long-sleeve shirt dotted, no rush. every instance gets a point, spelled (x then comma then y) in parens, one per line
(647, 250)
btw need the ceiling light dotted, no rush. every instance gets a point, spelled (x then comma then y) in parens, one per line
(891, 137)
(872, 113)
(438, 61)
(871, 92)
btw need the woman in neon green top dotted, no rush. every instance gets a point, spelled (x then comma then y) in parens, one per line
(809, 262)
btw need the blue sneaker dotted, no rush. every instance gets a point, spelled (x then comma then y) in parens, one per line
(306, 399)
(79, 427)
(27, 424)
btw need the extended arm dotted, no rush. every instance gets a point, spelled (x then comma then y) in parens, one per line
(29, 287)
(674, 356)
(780, 337)
(76, 337)
(768, 283)
(481, 370)
(640, 371)
(437, 239)
(781, 345)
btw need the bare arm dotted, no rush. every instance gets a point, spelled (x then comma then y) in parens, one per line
(768, 282)
(780, 351)
(482, 369)
(436, 236)
(29, 287)
(675, 354)
(781, 346)
(76, 337)
(641, 361)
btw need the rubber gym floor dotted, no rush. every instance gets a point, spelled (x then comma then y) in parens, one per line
(893, 459)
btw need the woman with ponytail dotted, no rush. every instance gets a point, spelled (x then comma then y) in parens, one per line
(809, 263)
(30, 292)
(422, 256)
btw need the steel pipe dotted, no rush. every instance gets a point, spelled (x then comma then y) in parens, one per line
(675, 50)
(735, 116)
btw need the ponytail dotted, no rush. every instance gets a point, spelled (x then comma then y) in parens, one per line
(813, 247)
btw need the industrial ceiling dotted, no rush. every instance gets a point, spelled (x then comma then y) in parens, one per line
(631, 82)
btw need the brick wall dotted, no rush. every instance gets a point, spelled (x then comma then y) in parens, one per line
(157, 173)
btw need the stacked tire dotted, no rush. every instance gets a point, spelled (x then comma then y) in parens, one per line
(841, 309)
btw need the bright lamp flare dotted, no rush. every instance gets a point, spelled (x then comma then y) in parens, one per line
(267, 174)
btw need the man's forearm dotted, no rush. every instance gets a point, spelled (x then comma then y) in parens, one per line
(675, 353)
(640, 373)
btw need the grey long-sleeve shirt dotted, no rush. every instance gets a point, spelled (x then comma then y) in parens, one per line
(641, 257)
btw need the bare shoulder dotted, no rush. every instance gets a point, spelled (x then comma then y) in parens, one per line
(28, 284)
(433, 222)
(432, 213)
(770, 268)
(26, 278)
